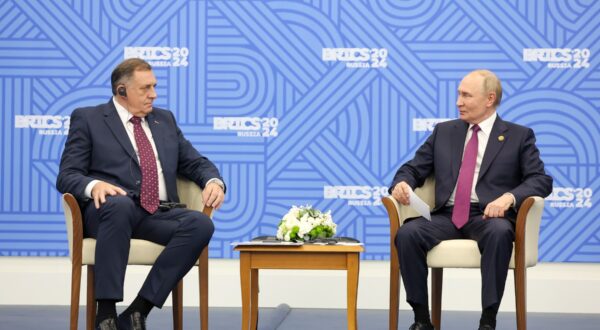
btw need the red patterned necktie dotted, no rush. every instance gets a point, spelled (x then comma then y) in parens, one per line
(149, 192)
(462, 199)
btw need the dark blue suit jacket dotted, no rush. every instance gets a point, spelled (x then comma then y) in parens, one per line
(511, 163)
(98, 147)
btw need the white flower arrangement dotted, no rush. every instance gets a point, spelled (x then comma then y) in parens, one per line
(304, 223)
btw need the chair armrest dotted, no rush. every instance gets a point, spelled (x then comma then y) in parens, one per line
(191, 195)
(74, 224)
(208, 211)
(393, 208)
(527, 231)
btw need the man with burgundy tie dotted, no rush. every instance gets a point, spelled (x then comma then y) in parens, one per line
(484, 168)
(121, 161)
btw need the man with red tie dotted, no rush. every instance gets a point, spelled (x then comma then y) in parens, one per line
(484, 168)
(121, 161)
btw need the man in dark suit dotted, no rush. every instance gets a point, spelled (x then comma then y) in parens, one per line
(121, 160)
(484, 168)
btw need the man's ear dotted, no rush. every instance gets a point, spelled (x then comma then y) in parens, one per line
(491, 99)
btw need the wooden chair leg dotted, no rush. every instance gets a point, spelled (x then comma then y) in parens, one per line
(91, 300)
(203, 287)
(521, 297)
(437, 278)
(394, 293)
(177, 296)
(75, 290)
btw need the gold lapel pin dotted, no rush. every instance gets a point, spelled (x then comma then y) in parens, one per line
(501, 138)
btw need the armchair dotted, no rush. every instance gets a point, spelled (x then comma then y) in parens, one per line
(463, 253)
(142, 252)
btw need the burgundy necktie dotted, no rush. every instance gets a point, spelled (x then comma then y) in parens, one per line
(149, 192)
(462, 199)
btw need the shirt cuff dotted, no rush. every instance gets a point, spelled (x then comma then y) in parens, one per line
(217, 181)
(514, 200)
(88, 189)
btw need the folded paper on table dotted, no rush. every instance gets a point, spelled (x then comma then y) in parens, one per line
(273, 241)
(266, 243)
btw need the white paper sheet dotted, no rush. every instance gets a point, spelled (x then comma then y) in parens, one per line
(419, 205)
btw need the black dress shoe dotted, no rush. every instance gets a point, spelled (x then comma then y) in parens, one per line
(486, 327)
(421, 326)
(107, 324)
(133, 321)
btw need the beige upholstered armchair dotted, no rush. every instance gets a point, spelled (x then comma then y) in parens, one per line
(463, 253)
(142, 252)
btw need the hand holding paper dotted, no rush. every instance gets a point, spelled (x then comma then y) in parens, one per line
(419, 205)
(404, 194)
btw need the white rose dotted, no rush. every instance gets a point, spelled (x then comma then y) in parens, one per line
(294, 211)
(305, 228)
(293, 223)
(304, 217)
(288, 218)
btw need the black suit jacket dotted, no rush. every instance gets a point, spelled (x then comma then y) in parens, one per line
(511, 163)
(98, 147)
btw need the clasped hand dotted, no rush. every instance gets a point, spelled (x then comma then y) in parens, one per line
(496, 208)
(102, 189)
(213, 195)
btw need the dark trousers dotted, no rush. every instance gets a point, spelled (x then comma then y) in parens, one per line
(183, 232)
(494, 238)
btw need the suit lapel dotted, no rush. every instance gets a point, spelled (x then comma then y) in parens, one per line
(156, 127)
(457, 146)
(114, 123)
(494, 145)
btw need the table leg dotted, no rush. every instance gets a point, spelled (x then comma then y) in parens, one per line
(352, 288)
(254, 299)
(245, 277)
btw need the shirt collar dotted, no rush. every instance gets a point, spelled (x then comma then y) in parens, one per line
(487, 124)
(123, 113)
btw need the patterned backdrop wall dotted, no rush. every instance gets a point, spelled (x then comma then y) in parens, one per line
(302, 102)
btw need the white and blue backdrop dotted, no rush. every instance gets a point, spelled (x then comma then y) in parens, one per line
(302, 102)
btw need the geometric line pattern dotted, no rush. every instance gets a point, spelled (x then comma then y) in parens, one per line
(327, 125)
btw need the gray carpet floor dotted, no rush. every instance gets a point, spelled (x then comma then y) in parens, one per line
(284, 318)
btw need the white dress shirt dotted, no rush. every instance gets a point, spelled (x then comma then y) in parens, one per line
(125, 115)
(483, 135)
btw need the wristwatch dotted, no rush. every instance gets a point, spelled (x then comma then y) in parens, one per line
(217, 181)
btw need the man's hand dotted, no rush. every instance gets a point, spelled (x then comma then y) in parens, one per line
(213, 195)
(101, 189)
(401, 193)
(497, 208)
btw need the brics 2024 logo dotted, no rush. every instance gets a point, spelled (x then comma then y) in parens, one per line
(44, 124)
(248, 126)
(570, 197)
(363, 58)
(559, 58)
(160, 56)
(356, 195)
(426, 124)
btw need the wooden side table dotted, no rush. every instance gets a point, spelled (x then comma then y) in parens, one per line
(253, 258)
